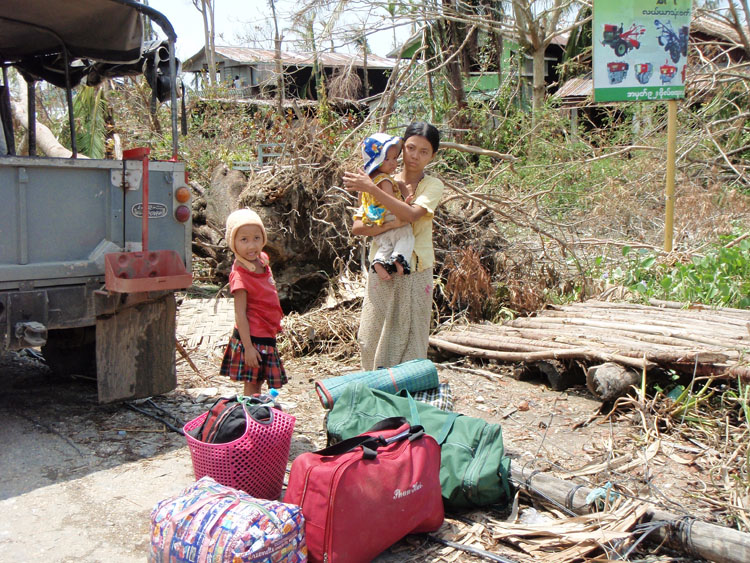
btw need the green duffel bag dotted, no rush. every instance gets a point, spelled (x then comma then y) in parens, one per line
(473, 467)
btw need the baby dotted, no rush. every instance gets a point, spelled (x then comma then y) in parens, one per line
(395, 246)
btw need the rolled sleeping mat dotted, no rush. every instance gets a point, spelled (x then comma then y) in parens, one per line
(415, 375)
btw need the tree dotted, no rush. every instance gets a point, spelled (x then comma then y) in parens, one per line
(537, 23)
(304, 25)
(740, 26)
(206, 8)
(90, 106)
(360, 40)
(277, 57)
(452, 41)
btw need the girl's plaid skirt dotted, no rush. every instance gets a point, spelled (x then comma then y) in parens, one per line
(271, 369)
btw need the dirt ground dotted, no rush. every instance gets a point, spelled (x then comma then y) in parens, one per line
(78, 479)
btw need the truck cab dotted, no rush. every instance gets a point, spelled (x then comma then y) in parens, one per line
(91, 250)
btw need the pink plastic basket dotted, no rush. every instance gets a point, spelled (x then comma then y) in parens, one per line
(255, 462)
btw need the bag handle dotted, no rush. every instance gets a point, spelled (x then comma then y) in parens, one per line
(370, 444)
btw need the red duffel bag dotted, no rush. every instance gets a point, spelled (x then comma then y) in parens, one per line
(364, 494)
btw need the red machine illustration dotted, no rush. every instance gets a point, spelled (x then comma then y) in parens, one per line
(622, 41)
(667, 72)
(643, 72)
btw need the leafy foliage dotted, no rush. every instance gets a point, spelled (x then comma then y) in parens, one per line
(90, 108)
(720, 277)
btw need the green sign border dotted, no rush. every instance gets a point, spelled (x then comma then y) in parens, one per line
(645, 94)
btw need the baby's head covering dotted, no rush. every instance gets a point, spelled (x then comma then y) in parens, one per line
(374, 149)
(236, 220)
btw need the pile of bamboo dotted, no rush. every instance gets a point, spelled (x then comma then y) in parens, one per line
(699, 340)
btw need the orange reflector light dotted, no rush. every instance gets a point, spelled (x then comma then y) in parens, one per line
(182, 213)
(182, 194)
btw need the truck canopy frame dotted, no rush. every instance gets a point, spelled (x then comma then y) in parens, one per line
(66, 42)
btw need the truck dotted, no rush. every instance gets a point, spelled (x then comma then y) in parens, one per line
(92, 251)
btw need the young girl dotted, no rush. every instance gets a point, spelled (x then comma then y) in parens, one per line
(251, 355)
(391, 250)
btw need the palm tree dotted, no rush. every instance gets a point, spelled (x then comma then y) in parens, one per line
(91, 108)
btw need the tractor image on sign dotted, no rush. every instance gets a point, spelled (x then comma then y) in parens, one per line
(622, 41)
(675, 44)
(643, 72)
(617, 71)
(667, 72)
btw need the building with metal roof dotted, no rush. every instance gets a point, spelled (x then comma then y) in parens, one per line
(255, 70)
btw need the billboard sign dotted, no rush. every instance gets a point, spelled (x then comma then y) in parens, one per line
(640, 49)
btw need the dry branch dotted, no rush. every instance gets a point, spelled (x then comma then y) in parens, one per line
(712, 542)
(477, 150)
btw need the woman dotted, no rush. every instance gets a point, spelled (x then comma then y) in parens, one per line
(395, 324)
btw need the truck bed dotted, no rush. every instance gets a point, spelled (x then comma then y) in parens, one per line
(59, 217)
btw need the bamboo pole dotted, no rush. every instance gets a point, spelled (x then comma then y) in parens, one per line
(709, 323)
(580, 353)
(661, 306)
(699, 307)
(543, 322)
(592, 332)
(636, 322)
(712, 542)
(659, 355)
(671, 158)
(619, 339)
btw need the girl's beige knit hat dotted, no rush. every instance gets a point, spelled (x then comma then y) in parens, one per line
(236, 220)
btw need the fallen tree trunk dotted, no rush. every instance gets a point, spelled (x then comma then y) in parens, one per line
(710, 541)
(608, 381)
(45, 139)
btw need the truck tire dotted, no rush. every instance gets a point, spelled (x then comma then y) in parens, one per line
(71, 351)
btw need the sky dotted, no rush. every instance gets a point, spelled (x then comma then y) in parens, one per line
(250, 17)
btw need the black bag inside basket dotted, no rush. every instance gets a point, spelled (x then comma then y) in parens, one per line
(226, 420)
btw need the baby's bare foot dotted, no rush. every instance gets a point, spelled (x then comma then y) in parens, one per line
(399, 268)
(382, 272)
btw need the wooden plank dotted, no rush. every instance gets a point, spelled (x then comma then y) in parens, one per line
(135, 352)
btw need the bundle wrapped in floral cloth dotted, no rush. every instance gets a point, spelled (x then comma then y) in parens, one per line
(212, 522)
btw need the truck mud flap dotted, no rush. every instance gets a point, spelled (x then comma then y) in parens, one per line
(135, 351)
